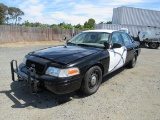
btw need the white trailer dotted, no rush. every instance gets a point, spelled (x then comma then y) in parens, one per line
(151, 38)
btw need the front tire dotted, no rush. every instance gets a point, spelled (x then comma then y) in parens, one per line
(92, 80)
(153, 45)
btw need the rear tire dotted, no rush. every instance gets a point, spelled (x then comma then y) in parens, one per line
(132, 63)
(153, 45)
(92, 80)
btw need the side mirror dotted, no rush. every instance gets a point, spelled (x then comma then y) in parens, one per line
(107, 45)
(116, 45)
(64, 37)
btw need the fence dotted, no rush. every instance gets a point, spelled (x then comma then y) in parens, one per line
(25, 34)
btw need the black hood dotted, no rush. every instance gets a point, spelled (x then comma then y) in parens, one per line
(67, 54)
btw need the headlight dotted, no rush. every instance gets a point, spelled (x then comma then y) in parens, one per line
(62, 72)
(24, 60)
(53, 71)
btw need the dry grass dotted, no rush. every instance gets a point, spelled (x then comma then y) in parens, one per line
(22, 44)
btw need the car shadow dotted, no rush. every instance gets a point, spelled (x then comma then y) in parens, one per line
(113, 74)
(22, 98)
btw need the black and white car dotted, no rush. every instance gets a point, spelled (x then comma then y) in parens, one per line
(80, 64)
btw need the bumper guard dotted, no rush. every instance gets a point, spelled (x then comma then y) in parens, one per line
(30, 77)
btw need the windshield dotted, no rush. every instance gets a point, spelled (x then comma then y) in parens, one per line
(90, 39)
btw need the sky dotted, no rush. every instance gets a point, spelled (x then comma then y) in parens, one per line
(74, 11)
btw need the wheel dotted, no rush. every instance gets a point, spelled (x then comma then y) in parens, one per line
(153, 45)
(92, 80)
(132, 63)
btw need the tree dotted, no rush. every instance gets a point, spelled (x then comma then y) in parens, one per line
(9, 13)
(65, 25)
(15, 14)
(3, 13)
(7, 19)
(109, 22)
(79, 26)
(86, 25)
(101, 22)
(26, 23)
(89, 24)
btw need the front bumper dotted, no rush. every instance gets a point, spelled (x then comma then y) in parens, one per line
(54, 84)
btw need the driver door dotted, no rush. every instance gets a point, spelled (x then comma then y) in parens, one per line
(117, 55)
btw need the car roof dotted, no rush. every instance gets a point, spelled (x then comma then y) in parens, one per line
(101, 30)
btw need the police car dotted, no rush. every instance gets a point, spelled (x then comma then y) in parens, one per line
(80, 64)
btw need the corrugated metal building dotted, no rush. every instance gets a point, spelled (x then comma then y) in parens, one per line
(136, 16)
(135, 19)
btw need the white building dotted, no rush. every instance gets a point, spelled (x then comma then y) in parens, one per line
(135, 19)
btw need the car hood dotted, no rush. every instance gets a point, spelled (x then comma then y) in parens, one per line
(65, 55)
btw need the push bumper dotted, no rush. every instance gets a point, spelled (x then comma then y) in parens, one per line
(54, 84)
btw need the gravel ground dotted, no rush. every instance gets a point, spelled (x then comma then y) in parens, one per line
(126, 94)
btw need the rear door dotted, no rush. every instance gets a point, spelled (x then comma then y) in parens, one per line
(129, 45)
(117, 55)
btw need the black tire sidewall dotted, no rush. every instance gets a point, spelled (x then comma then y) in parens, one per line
(132, 63)
(86, 88)
(150, 45)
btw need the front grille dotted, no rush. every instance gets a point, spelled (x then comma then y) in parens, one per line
(38, 66)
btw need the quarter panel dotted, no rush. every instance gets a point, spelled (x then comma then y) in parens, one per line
(130, 52)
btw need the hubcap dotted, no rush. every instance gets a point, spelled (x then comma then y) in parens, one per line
(153, 45)
(93, 80)
(134, 60)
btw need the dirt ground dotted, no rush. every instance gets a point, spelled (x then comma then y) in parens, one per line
(126, 94)
(22, 44)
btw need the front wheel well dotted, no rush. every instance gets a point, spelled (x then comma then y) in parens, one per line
(99, 65)
(137, 52)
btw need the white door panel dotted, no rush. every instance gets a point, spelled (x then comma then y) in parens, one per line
(117, 58)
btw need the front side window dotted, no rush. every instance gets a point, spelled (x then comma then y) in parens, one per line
(116, 38)
(90, 39)
(126, 38)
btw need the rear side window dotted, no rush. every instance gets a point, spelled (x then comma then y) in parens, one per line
(126, 38)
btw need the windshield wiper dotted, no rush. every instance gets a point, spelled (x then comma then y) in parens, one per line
(80, 44)
(86, 45)
(71, 43)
